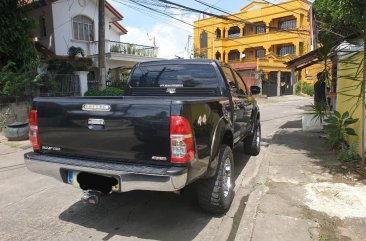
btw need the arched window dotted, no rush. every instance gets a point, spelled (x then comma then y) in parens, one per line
(218, 55)
(234, 32)
(234, 55)
(218, 33)
(203, 40)
(83, 28)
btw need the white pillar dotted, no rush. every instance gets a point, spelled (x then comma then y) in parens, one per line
(83, 78)
(279, 83)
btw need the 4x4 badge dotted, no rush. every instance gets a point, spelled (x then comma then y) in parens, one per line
(171, 90)
(202, 120)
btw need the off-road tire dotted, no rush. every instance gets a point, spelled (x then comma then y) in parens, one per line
(212, 196)
(252, 144)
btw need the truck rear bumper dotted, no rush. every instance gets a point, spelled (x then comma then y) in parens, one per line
(131, 176)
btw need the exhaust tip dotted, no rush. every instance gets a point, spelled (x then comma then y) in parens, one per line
(91, 197)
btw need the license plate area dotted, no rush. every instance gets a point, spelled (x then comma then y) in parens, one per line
(91, 181)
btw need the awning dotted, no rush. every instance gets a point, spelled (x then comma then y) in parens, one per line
(306, 60)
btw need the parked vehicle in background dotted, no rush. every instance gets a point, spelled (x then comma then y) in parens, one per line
(177, 124)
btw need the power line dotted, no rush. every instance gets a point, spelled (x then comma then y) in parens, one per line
(151, 13)
(246, 21)
(213, 5)
(277, 4)
(327, 30)
(240, 43)
(195, 10)
(167, 15)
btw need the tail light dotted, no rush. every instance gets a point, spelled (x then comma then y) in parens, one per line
(181, 140)
(33, 130)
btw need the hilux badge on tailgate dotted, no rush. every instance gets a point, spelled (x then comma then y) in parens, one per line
(96, 107)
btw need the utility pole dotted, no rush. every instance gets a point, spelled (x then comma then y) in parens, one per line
(363, 91)
(101, 44)
(187, 48)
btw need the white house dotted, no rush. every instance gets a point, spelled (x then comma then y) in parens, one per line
(64, 23)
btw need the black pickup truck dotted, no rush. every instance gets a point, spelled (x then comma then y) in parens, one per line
(177, 124)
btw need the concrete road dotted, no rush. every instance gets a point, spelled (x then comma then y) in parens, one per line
(35, 207)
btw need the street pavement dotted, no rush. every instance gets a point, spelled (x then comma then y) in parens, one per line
(268, 204)
(296, 189)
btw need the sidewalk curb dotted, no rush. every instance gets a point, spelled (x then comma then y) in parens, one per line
(247, 222)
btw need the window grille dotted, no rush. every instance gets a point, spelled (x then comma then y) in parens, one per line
(83, 28)
(281, 51)
(288, 24)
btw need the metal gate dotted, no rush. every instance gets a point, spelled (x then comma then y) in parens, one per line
(269, 86)
(286, 86)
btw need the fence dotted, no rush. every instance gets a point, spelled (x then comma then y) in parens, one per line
(61, 85)
(117, 83)
(93, 84)
(124, 48)
(17, 92)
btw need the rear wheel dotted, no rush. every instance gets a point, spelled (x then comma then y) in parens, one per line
(216, 194)
(252, 143)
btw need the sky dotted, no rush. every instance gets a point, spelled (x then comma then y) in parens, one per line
(171, 36)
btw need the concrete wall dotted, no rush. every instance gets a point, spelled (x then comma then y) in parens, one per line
(64, 11)
(347, 69)
(18, 111)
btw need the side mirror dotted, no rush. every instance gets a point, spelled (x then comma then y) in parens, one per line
(255, 90)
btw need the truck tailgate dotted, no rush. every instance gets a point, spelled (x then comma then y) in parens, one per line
(134, 129)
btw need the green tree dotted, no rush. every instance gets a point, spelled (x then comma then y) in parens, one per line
(16, 44)
(337, 18)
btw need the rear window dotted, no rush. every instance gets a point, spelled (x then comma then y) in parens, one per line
(174, 76)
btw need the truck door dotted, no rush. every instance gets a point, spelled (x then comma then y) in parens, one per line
(238, 107)
(246, 102)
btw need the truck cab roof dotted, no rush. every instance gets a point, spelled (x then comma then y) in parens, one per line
(179, 61)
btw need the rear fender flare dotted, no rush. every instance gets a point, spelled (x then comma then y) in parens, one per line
(217, 137)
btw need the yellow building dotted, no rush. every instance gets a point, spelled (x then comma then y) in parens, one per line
(258, 41)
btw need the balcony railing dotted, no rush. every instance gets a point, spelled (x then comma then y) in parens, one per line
(124, 48)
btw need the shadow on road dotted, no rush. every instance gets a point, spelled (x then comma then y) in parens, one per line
(290, 139)
(292, 124)
(148, 215)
